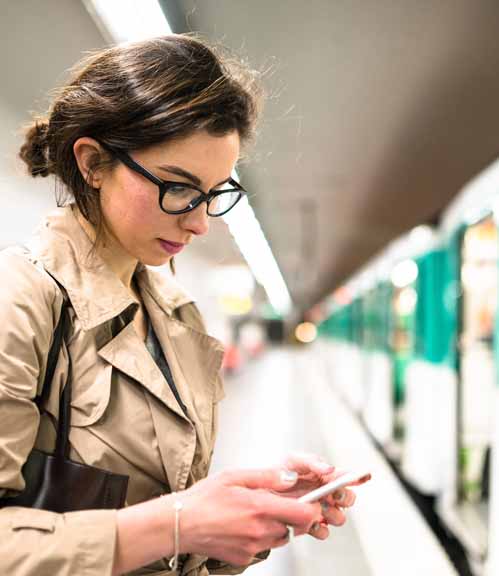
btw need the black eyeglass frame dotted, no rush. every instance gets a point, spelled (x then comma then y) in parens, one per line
(164, 184)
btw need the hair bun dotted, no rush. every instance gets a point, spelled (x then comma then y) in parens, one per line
(34, 151)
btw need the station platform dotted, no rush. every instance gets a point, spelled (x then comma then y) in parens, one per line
(283, 402)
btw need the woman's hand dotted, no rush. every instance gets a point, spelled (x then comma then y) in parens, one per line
(231, 516)
(314, 472)
(236, 514)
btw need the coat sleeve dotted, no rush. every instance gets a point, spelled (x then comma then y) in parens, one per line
(37, 542)
(218, 567)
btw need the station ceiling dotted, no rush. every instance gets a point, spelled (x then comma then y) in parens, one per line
(377, 114)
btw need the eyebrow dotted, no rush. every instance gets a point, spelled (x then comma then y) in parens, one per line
(185, 174)
(181, 172)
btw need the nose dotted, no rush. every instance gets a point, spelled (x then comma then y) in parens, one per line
(196, 221)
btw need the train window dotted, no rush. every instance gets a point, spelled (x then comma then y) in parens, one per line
(479, 259)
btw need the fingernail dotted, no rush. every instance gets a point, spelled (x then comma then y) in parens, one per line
(339, 496)
(315, 526)
(325, 467)
(325, 506)
(289, 476)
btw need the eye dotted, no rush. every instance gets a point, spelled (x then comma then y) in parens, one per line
(179, 188)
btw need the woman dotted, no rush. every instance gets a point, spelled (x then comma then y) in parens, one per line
(144, 138)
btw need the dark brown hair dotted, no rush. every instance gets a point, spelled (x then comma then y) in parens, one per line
(134, 95)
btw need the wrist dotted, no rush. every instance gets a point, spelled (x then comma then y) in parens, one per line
(145, 533)
(172, 523)
(187, 522)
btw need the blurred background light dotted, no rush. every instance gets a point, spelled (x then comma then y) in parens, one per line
(236, 305)
(421, 235)
(253, 245)
(128, 20)
(406, 301)
(404, 273)
(342, 296)
(306, 332)
(233, 280)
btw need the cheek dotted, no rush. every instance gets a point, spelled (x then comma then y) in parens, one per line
(130, 210)
(126, 200)
(140, 210)
(132, 214)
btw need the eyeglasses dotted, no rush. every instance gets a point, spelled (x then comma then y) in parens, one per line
(180, 197)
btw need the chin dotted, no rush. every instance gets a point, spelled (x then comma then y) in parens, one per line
(155, 260)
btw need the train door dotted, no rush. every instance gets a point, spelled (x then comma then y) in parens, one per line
(355, 392)
(477, 374)
(402, 341)
(378, 405)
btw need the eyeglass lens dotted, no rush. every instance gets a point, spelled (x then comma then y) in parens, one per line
(179, 198)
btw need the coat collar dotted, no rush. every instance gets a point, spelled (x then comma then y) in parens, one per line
(96, 293)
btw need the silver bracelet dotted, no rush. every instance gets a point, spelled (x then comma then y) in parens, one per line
(177, 506)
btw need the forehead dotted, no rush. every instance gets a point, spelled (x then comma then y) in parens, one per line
(204, 155)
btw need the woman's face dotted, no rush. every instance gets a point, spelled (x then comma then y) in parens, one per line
(130, 202)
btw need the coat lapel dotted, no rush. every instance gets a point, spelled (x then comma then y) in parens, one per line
(194, 359)
(127, 353)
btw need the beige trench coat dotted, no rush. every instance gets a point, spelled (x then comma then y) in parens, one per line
(124, 416)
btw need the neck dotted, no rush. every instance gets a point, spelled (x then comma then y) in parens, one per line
(120, 262)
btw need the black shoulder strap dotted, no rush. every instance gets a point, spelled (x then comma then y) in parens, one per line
(53, 354)
(62, 441)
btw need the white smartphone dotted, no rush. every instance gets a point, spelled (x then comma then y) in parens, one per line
(347, 479)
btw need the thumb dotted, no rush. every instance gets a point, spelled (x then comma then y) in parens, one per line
(267, 479)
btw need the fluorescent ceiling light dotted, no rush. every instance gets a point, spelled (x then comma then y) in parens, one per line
(253, 245)
(128, 20)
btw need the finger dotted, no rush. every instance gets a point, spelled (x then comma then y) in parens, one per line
(278, 535)
(283, 539)
(362, 480)
(304, 463)
(344, 498)
(289, 511)
(268, 479)
(333, 515)
(359, 481)
(319, 531)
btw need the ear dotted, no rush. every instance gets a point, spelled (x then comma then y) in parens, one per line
(87, 151)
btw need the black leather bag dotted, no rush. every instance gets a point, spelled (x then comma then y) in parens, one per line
(53, 481)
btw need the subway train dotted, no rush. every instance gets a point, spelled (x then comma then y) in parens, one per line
(412, 347)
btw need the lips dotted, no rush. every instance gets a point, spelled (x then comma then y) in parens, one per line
(171, 247)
